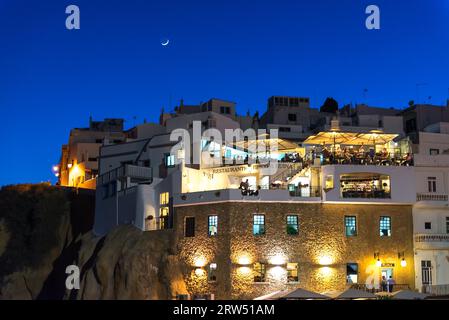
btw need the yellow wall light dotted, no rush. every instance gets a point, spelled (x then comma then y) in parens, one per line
(199, 261)
(244, 260)
(325, 260)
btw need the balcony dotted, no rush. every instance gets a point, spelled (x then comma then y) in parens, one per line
(273, 195)
(135, 173)
(431, 197)
(431, 240)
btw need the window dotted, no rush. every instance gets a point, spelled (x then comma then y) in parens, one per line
(189, 228)
(292, 117)
(432, 184)
(434, 152)
(212, 274)
(259, 272)
(292, 224)
(329, 182)
(258, 224)
(292, 272)
(164, 210)
(169, 160)
(447, 224)
(164, 198)
(225, 110)
(365, 185)
(350, 226)
(212, 225)
(385, 226)
(427, 225)
(352, 271)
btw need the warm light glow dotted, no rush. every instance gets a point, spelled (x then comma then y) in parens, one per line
(199, 262)
(378, 263)
(325, 260)
(277, 272)
(55, 168)
(244, 260)
(69, 166)
(326, 271)
(277, 260)
(56, 174)
(244, 271)
(199, 272)
(403, 263)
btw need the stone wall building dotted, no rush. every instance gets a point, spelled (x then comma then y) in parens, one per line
(316, 258)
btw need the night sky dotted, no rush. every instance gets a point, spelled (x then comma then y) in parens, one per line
(52, 79)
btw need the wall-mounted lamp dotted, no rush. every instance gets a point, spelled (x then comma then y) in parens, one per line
(401, 256)
(377, 258)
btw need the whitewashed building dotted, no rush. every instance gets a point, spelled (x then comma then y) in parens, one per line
(431, 211)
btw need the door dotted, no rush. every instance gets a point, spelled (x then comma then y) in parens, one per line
(426, 272)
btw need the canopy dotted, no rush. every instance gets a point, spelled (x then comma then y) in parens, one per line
(337, 137)
(293, 294)
(408, 295)
(373, 137)
(331, 137)
(300, 293)
(355, 294)
(282, 145)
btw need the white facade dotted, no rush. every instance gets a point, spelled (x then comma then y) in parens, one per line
(431, 213)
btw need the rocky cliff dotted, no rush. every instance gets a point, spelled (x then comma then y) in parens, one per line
(43, 229)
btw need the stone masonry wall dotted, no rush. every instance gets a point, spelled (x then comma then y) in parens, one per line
(321, 248)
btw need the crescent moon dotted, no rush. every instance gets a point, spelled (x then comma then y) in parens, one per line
(165, 43)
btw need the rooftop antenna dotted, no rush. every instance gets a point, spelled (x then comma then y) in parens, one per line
(365, 91)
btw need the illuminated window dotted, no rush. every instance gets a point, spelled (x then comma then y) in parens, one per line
(350, 226)
(212, 274)
(352, 271)
(292, 272)
(329, 182)
(259, 272)
(169, 160)
(385, 226)
(189, 227)
(258, 224)
(212, 225)
(164, 198)
(164, 210)
(292, 224)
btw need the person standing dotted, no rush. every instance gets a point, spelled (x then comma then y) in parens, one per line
(383, 284)
(391, 284)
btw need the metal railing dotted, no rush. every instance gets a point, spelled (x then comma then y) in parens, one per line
(127, 170)
(432, 237)
(431, 197)
(372, 289)
(307, 192)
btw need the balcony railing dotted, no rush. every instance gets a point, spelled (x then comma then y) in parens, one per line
(437, 290)
(432, 237)
(372, 289)
(431, 197)
(127, 170)
(307, 192)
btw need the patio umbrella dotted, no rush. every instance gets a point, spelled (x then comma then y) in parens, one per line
(271, 296)
(302, 294)
(374, 137)
(332, 137)
(355, 294)
(408, 295)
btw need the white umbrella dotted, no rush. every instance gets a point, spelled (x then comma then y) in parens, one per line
(300, 293)
(356, 294)
(408, 295)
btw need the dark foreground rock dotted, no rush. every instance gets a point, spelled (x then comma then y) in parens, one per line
(43, 229)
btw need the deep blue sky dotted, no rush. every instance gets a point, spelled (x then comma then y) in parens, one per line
(52, 79)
